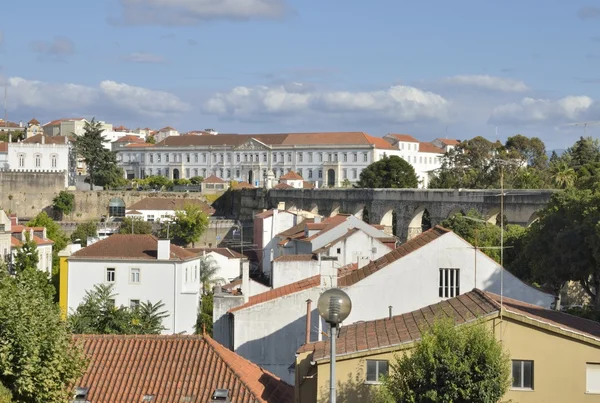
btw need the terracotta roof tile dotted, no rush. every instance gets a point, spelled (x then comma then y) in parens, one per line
(128, 246)
(213, 179)
(269, 213)
(396, 254)
(429, 148)
(403, 137)
(124, 368)
(33, 121)
(283, 186)
(292, 176)
(137, 145)
(130, 138)
(307, 185)
(244, 185)
(168, 204)
(37, 139)
(380, 143)
(449, 142)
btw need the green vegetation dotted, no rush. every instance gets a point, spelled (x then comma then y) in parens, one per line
(187, 226)
(150, 140)
(389, 172)
(450, 364)
(97, 314)
(208, 274)
(36, 347)
(205, 316)
(83, 231)
(139, 226)
(27, 254)
(63, 203)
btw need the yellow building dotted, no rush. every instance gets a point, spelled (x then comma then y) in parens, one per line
(555, 356)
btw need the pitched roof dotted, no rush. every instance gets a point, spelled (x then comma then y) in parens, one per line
(33, 121)
(134, 145)
(379, 142)
(228, 253)
(213, 179)
(326, 138)
(124, 368)
(244, 185)
(7, 123)
(283, 185)
(291, 175)
(295, 258)
(396, 254)
(167, 204)
(166, 129)
(429, 148)
(403, 137)
(408, 327)
(269, 213)
(307, 185)
(37, 139)
(59, 121)
(128, 246)
(449, 142)
(130, 138)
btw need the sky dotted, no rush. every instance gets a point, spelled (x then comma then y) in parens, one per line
(427, 68)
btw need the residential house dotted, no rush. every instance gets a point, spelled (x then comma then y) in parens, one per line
(5, 237)
(164, 133)
(141, 268)
(432, 267)
(7, 126)
(445, 144)
(169, 369)
(229, 262)
(555, 357)
(33, 128)
(292, 179)
(44, 245)
(212, 184)
(163, 208)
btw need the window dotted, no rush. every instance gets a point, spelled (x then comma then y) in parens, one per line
(365, 157)
(592, 378)
(310, 174)
(196, 157)
(214, 158)
(187, 274)
(150, 218)
(110, 275)
(158, 157)
(204, 157)
(376, 370)
(134, 303)
(229, 173)
(289, 157)
(159, 172)
(345, 158)
(134, 276)
(221, 173)
(38, 160)
(320, 173)
(112, 302)
(354, 172)
(274, 157)
(522, 373)
(320, 157)
(339, 250)
(237, 173)
(256, 158)
(300, 171)
(187, 158)
(167, 172)
(245, 157)
(355, 157)
(309, 157)
(151, 158)
(335, 157)
(280, 171)
(228, 157)
(300, 157)
(167, 157)
(329, 157)
(187, 172)
(204, 172)
(54, 159)
(220, 157)
(264, 157)
(344, 173)
(449, 283)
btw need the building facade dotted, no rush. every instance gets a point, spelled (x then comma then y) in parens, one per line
(323, 159)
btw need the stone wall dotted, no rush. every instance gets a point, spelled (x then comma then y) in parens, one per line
(27, 193)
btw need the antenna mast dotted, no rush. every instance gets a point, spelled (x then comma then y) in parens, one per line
(5, 107)
(585, 125)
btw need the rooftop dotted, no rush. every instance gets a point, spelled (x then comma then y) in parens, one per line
(37, 139)
(403, 137)
(429, 148)
(124, 368)
(213, 179)
(449, 142)
(283, 185)
(291, 176)
(130, 138)
(228, 253)
(128, 246)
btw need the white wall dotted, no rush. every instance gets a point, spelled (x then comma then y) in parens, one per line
(271, 226)
(29, 151)
(359, 248)
(157, 215)
(159, 280)
(229, 269)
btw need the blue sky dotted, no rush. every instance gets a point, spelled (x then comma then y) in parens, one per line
(428, 68)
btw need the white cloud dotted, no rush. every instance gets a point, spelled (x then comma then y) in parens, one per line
(140, 57)
(188, 12)
(486, 82)
(394, 104)
(542, 111)
(71, 98)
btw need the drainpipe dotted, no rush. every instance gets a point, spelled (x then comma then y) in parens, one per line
(174, 296)
(308, 306)
(390, 308)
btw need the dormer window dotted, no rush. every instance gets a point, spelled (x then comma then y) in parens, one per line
(81, 395)
(220, 395)
(148, 398)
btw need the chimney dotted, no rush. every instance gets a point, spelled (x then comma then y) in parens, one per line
(245, 279)
(317, 219)
(43, 139)
(20, 123)
(390, 309)
(163, 249)
(308, 306)
(10, 137)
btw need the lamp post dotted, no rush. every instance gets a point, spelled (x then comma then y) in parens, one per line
(334, 306)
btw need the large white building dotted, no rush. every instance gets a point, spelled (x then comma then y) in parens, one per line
(325, 159)
(141, 268)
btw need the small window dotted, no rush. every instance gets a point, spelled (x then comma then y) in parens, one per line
(522, 373)
(134, 303)
(376, 370)
(110, 275)
(339, 250)
(81, 394)
(365, 157)
(592, 378)
(134, 276)
(449, 284)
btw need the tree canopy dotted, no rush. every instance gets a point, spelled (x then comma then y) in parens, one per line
(451, 364)
(63, 203)
(83, 231)
(139, 226)
(27, 254)
(389, 172)
(188, 225)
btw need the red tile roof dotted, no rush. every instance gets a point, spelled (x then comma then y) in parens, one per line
(130, 138)
(228, 253)
(213, 179)
(429, 148)
(124, 368)
(33, 121)
(37, 139)
(283, 186)
(449, 142)
(404, 137)
(291, 176)
(408, 327)
(396, 254)
(134, 145)
(244, 185)
(169, 204)
(6, 123)
(166, 129)
(59, 121)
(128, 246)
(269, 213)
(307, 185)
(380, 143)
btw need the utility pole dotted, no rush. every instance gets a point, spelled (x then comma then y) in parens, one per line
(5, 105)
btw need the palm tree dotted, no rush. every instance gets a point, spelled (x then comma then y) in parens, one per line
(563, 175)
(208, 273)
(150, 317)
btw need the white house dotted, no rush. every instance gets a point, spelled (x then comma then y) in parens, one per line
(445, 144)
(141, 268)
(432, 267)
(20, 233)
(160, 208)
(5, 236)
(229, 262)
(164, 133)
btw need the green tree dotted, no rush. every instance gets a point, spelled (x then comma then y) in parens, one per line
(158, 182)
(27, 254)
(38, 360)
(204, 321)
(150, 140)
(346, 183)
(563, 175)
(5, 395)
(189, 224)
(208, 274)
(63, 203)
(139, 226)
(109, 174)
(83, 231)
(451, 364)
(97, 314)
(196, 180)
(389, 172)
(532, 150)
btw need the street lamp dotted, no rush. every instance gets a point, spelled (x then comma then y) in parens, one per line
(334, 306)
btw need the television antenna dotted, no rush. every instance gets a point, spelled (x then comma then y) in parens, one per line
(584, 124)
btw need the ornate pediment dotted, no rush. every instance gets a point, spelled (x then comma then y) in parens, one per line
(253, 144)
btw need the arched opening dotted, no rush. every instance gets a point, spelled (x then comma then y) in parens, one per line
(421, 222)
(330, 177)
(116, 207)
(175, 174)
(314, 208)
(455, 211)
(335, 210)
(363, 214)
(251, 177)
(534, 217)
(388, 221)
(493, 215)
